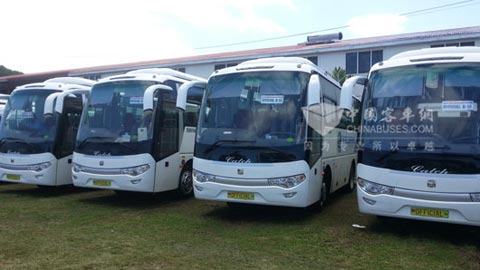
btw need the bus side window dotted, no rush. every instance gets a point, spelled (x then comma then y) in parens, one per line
(194, 100)
(69, 122)
(166, 125)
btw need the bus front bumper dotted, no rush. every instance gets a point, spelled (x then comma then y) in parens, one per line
(459, 212)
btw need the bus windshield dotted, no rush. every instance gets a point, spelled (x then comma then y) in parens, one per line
(254, 116)
(25, 129)
(423, 118)
(114, 122)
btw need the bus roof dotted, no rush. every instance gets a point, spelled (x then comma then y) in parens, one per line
(154, 74)
(59, 84)
(431, 56)
(276, 64)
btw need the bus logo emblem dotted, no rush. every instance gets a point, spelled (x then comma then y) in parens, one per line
(431, 183)
(12, 160)
(101, 163)
(240, 171)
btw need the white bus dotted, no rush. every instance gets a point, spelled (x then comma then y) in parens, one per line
(3, 102)
(38, 130)
(132, 137)
(421, 136)
(270, 133)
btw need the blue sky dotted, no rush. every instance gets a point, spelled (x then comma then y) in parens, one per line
(53, 34)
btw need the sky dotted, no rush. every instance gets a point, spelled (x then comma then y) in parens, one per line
(49, 35)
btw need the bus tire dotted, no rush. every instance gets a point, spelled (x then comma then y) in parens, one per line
(350, 187)
(320, 204)
(185, 183)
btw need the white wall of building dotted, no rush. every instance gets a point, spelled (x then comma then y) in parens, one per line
(203, 71)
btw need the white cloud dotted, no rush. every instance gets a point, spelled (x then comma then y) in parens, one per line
(57, 34)
(376, 25)
(229, 15)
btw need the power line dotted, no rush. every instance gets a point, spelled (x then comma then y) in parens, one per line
(434, 8)
(406, 14)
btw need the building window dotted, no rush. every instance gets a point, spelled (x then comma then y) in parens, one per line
(364, 62)
(453, 44)
(469, 43)
(361, 62)
(313, 59)
(351, 63)
(377, 56)
(93, 77)
(221, 66)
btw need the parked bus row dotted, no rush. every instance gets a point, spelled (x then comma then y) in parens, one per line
(273, 131)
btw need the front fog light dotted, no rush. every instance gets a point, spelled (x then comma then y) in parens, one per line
(374, 188)
(475, 197)
(135, 181)
(289, 195)
(287, 182)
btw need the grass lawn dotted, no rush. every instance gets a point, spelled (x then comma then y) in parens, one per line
(71, 228)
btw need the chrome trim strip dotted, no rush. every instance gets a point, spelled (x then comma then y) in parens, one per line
(432, 196)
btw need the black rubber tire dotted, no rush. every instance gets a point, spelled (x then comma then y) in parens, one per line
(185, 182)
(350, 187)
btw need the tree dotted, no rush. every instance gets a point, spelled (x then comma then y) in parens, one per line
(6, 72)
(339, 74)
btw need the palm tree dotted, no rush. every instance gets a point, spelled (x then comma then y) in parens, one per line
(339, 74)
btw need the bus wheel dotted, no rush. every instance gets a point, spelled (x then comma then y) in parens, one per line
(351, 180)
(185, 184)
(318, 206)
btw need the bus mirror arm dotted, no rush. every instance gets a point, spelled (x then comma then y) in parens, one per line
(49, 104)
(183, 92)
(313, 90)
(149, 94)
(352, 88)
(61, 97)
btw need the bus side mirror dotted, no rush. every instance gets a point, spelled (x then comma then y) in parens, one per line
(149, 93)
(50, 104)
(61, 97)
(183, 91)
(314, 90)
(352, 87)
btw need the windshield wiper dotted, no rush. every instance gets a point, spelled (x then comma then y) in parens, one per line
(464, 138)
(100, 138)
(17, 140)
(220, 142)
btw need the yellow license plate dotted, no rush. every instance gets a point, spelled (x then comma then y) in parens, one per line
(14, 177)
(429, 212)
(101, 183)
(249, 196)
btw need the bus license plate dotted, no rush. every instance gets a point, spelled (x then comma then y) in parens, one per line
(249, 196)
(14, 177)
(429, 212)
(101, 183)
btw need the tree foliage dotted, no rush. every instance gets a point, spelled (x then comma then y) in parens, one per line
(4, 71)
(339, 74)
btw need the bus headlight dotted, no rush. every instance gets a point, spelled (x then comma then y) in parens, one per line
(203, 177)
(77, 168)
(39, 167)
(134, 171)
(287, 182)
(475, 197)
(374, 188)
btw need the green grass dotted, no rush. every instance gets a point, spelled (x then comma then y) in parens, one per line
(72, 228)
